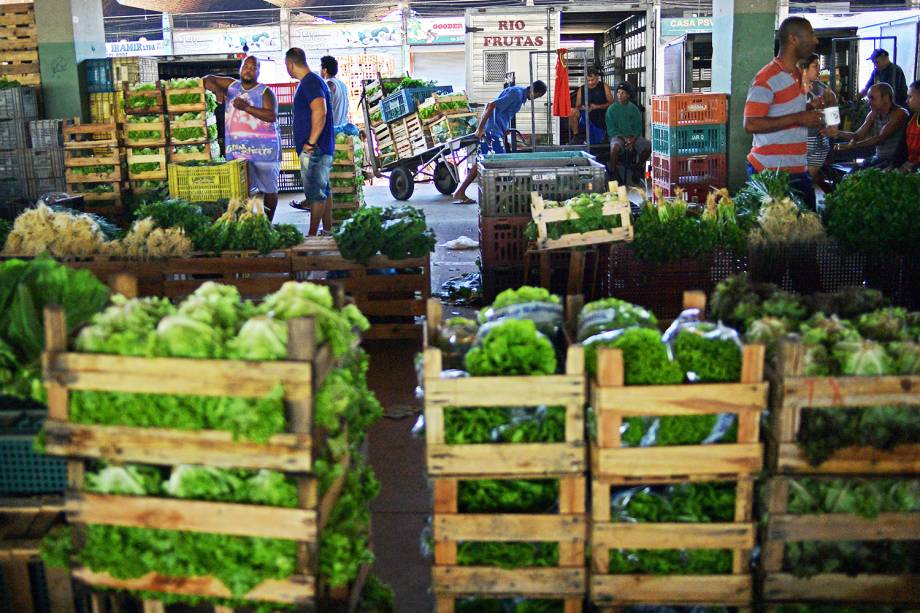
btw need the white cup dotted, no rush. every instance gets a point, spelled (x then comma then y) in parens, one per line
(832, 116)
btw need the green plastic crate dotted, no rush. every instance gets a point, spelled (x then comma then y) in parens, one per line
(22, 471)
(676, 141)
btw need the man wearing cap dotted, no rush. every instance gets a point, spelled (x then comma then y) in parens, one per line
(624, 127)
(887, 72)
(494, 123)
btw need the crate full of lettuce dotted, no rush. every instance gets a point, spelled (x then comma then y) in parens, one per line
(503, 422)
(675, 446)
(260, 465)
(842, 539)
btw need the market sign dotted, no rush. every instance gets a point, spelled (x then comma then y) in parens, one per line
(352, 36)
(678, 26)
(137, 48)
(229, 40)
(447, 30)
(513, 33)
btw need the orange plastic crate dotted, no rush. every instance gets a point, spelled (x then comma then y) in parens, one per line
(689, 109)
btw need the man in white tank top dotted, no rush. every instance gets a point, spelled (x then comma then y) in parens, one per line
(251, 128)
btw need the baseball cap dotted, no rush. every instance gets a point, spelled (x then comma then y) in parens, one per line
(877, 53)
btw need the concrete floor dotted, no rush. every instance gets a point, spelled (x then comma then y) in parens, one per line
(402, 511)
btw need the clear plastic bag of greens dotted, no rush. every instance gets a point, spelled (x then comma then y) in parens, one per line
(547, 316)
(708, 352)
(612, 314)
(455, 337)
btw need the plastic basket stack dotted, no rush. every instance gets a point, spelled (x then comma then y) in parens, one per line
(104, 80)
(688, 143)
(289, 179)
(505, 184)
(45, 166)
(17, 106)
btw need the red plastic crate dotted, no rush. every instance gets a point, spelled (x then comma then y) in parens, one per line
(689, 109)
(693, 192)
(284, 92)
(502, 241)
(680, 171)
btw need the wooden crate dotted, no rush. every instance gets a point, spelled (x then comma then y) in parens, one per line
(506, 460)
(211, 151)
(203, 123)
(437, 99)
(157, 94)
(22, 66)
(83, 135)
(613, 402)
(568, 528)
(155, 175)
(794, 392)
(783, 527)
(392, 303)
(349, 149)
(253, 274)
(291, 452)
(159, 126)
(448, 127)
(542, 216)
(193, 107)
(24, 521)
(17, 28)
(99, 202)
(735, 589)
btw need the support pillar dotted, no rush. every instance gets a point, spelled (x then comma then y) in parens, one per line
(69, 31)
(743, 38)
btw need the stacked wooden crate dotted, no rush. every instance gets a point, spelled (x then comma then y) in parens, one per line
(446, 116)
(293, 453)
(145, 138)
(105, 80)
(452, 466)
(346, 190)
(196, 148)
(616, 466)
(794, 395)
(19, 44)
(95, 147)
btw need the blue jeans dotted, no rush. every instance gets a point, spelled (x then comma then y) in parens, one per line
(800, 184)
(314, 170)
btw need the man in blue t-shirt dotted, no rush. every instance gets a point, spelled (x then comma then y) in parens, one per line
(494, 123)
(313, 138)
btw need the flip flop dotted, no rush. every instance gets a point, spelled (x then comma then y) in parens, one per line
(300, 206)
(464, 200)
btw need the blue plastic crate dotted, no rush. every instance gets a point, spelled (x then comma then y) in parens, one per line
(98, 76)
(676, 141)
(405, 101)
(22, 471)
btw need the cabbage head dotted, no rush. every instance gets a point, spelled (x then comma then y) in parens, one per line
(866, 358)
(260, 338)
(180, 336)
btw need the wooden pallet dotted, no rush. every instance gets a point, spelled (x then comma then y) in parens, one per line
(193, 107)
(203, 123)
(22, 66)
(157, 94)
(618, 206)
(794, 392)
(783, 527)
(291, 452)
(613, 402)
(568, 528)
(512, 460)
(253, 274)
(17, 28)
(609, 590)
(154, 175)
(392, 303)
(159, 126)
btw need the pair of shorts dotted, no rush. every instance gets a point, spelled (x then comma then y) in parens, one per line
(263, 176)
(314, 170)
(491, 143)
(818, 149)
(642, 145)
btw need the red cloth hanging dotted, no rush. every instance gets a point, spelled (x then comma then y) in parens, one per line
(562, 99)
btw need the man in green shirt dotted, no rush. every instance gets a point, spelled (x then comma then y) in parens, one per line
(624, 127)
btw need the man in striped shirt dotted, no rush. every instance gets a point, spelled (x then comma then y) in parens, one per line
(776, 112)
